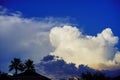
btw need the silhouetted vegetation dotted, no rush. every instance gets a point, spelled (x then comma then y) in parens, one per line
(116, 78)
(27, 68)
(4, 76)
(16, 65)
(29, 65)
(96, 76)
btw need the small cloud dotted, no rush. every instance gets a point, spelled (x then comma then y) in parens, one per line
(48, 58)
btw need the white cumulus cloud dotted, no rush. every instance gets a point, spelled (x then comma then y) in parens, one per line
(25, 37)
(98, 52)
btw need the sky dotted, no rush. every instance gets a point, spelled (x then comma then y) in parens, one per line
(77, 31)
(95, 14)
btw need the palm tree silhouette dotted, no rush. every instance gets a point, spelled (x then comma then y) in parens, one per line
(16, 65)
(29, 65)
(87, 76)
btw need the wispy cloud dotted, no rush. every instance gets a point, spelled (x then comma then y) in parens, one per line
(25, 37)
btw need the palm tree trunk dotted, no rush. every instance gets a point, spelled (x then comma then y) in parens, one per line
(16, 71)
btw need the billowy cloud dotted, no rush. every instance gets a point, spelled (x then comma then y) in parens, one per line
(25, 37)
(98, 52)
(32, 38)
(20, 34)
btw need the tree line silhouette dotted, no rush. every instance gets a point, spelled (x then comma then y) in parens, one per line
(96, 76)
(17, 65)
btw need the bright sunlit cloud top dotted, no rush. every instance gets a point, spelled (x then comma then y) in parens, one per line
(73, 46)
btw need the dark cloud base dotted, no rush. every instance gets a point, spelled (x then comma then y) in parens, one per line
(58, 69)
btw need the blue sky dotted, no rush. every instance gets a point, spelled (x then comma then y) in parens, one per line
(93, 16)
(90, 17)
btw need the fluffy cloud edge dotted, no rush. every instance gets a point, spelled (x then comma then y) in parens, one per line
(98, 52)
(25, 38)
